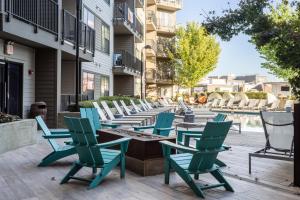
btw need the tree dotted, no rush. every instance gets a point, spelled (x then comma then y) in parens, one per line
(195, 54)
(274, 30)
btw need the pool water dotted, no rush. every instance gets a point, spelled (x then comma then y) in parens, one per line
(249, 122)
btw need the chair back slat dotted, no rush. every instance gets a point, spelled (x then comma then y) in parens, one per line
(148, 104)
(127, 110)
(107, 110)
(100, 111)
(164, 120)
(86, 148)
(279, 129)
(93, 115)
(145, 108)
(220, 117)
(211, 142)
(46, 132)
(119, 109)
(135, 106)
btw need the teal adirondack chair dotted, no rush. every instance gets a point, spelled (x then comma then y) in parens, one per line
(163, 124)
(183, 136)
(59, 151)
(94, 155)
(93, 115)
(198, 161)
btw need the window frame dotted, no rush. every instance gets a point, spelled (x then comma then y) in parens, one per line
(102, 93)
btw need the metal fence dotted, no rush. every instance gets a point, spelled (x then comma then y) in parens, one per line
(126, 59)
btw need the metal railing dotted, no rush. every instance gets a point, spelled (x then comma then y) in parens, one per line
(69, 99)
(151, 16)
(165, 76)
(151, 75)
(126, 59)
(42, 14)
(87, 34)
(122, 12)
(172, 3)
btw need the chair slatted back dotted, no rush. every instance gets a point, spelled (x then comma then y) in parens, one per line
(262, 103)
(182, 105)
(220, 117)
(100, 112)
(93, 115)
(107, 110)
(127, 110)
(137, 109)
(86, 148)
(145, 108)
(46, 132)
(119, 109)
(215, 102)
(230, 102)
(164, 120)
(209, 145)
(148, 104)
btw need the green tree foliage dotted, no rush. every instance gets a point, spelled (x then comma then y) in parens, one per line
(195, 54)
(274, 30)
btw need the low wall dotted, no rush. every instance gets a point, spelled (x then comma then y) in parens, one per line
(17, 134)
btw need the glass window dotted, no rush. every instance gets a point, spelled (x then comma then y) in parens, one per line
(88, 18)
(104, 86)
(105, 38)
(88, 84)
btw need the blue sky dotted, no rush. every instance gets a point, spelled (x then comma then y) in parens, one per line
(238, 56)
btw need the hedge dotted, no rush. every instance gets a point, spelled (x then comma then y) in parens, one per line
(108, 99)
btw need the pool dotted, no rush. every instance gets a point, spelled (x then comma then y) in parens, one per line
(249, 122)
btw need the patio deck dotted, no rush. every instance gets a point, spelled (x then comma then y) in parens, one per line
(20, 178)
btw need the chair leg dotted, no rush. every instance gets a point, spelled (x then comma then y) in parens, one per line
(250, 164)
(167, 171)
(122, 167)
(96, 181)
(196, 176)
(218, 175)
(220, 163)
(76, 167)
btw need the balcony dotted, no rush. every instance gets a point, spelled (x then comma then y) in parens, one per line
(170, 5)
(38, 22)
(68, 36)
(165, 29)
(165, 77)
(139, 3)
(150, 76)
(151, 52)
(126, 64)
(163, 45)
(151, 2)
(151, 21)
(126, 22)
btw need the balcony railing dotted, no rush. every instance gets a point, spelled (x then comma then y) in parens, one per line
(171, 3)
(151, 16)
(87, 34)
(152, 43)
(42, 14)
(124, 13)
(165, 76)
(125, 59)
(165, 27)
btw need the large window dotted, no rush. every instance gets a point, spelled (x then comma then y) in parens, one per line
(88, 84)
(166, 19)
(88, 18)
(105, 32)
(104, 86)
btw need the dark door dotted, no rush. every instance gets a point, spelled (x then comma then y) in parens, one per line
(11, 79)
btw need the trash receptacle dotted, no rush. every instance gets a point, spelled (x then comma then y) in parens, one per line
(38, 108)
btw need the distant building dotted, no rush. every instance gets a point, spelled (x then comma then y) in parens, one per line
(221, 84)
(254, 79)
(278, 88)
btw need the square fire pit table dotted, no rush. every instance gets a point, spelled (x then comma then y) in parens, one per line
(144, 155)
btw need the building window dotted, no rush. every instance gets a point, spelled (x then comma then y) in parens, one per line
(105, 35)
(88, 85)
(285, 88)
(88, 18)
(104, 86)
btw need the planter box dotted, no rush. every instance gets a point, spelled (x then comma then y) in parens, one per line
(17, 134)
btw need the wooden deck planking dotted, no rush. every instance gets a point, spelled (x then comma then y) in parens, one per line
(20, 178)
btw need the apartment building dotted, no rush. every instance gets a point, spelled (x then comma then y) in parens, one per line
(160, 32)
(37, 54)
(129, 42)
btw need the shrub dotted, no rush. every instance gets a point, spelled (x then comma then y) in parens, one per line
(108, 99)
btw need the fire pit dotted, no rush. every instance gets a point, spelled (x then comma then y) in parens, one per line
(144, 155)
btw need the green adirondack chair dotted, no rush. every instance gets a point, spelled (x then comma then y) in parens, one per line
(198, 161)
(59, 151)
(183, 136)
(94, 155)
(163, 124)
(93, 115)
